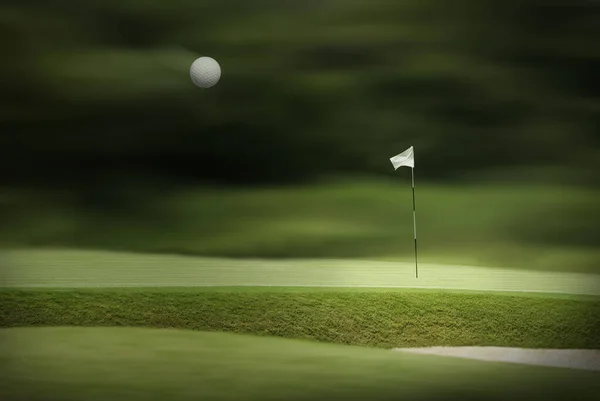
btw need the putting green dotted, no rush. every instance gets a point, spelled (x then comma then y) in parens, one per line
(132, 364)
(69, 269)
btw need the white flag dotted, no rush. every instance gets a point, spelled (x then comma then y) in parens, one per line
(406, 158)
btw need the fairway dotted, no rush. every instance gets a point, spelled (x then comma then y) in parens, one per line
(115, 364)
(84, 269)
(364, 200)
(296, 329)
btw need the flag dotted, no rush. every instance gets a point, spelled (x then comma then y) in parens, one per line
(406, 158)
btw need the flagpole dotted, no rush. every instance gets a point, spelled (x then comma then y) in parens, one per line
(412, 170)
(407, 158)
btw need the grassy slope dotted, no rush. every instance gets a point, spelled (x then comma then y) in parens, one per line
(375, 317)
(381, 318)
(528, 227)
(135, 364)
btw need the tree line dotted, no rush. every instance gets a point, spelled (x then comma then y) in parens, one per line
(101, 88)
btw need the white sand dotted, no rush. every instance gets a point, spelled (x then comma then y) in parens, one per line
(563, 358)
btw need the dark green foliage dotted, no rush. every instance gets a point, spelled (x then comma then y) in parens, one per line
(95, 89)
(528, 227)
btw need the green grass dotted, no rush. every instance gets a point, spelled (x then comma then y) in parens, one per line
(114, 364)
(544, 235)
(69, 268)
(377, 318)
(529, 227)
(311, 342)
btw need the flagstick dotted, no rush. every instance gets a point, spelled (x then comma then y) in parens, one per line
(407, 158)
(414, 221)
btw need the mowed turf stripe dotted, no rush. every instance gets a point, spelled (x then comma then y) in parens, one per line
(60, 268)
(110, 269)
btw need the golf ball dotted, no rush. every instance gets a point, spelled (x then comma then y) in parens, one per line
(205, 72)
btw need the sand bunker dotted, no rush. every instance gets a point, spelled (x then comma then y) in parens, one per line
(562, 358)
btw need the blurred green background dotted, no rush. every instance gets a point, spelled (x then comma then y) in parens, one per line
(105, 142)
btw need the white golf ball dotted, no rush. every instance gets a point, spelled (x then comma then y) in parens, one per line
(205, 72)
